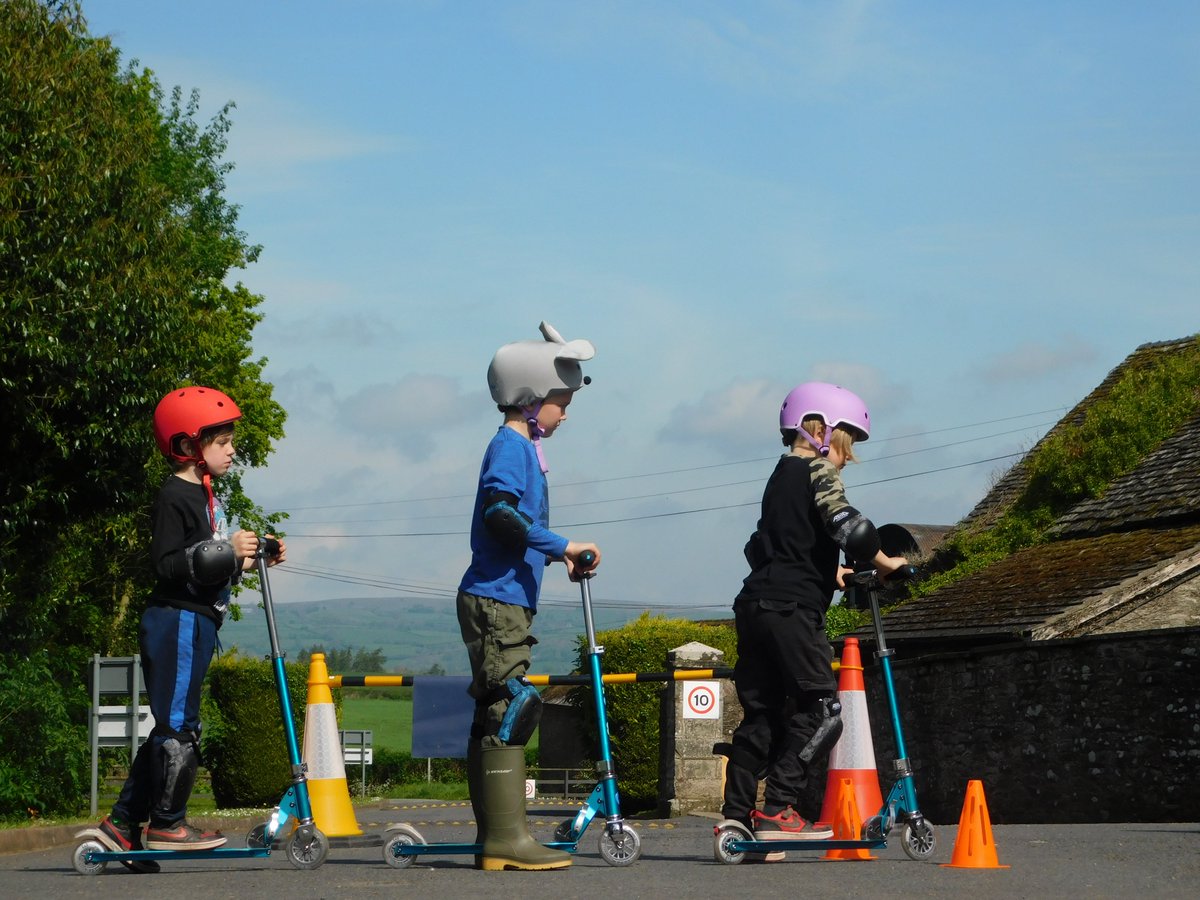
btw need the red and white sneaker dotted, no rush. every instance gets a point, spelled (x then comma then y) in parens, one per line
(788, 826)
(182, 836)
(127, 837)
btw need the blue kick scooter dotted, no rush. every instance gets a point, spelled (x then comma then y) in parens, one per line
(732, 840)
(620, 845)
(307, 846)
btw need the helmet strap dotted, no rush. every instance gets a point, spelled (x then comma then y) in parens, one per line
(821, 446)
(206, 480)
(535, 432)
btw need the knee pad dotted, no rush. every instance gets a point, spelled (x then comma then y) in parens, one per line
(174, 774)
(828, 731)
(523, 714)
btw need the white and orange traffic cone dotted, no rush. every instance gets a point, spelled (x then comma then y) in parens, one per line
(853, 756)
(327, 788)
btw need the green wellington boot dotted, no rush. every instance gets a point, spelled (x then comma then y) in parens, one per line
(507, 843)
(475, 789)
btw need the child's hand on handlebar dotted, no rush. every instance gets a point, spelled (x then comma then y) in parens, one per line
(887, 565)
(575, 566)
(842, 572)
(279, 557)
(245, 545)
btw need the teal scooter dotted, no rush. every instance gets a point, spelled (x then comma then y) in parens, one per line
(620, 845)
(307, 846)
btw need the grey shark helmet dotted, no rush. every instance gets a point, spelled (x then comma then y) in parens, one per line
(524, 373)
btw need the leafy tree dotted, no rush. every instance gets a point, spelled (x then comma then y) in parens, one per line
(116, 241)
(342, 660)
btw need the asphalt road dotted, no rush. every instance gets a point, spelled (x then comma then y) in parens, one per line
(1135, 860)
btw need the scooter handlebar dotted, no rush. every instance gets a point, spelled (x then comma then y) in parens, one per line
(587, 559)
(871, 577)
(268, 546)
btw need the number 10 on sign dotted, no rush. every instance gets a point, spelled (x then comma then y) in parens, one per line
(702, 700)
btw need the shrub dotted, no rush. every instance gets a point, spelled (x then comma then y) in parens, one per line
(633, 709)
(244, 746)
(44, 761)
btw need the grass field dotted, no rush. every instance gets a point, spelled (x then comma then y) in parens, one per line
(389, 718)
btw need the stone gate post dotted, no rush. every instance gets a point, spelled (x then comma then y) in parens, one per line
(693, 716)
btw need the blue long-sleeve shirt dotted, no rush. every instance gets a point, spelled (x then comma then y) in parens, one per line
(510, 465)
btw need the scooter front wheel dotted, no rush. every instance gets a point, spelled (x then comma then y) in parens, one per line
(396, 838)
(919, 840)
(724, 836)
(622, 848)
(79, 860)
(310, 852)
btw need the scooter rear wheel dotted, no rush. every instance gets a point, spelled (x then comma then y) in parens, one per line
(79, 859)
(723, 837)
(919, 840)
(308, 854)
(622, 851)
(395, 839)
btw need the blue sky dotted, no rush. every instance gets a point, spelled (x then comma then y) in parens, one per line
(967, 213)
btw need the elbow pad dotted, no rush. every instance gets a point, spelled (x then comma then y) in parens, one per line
(212, 563)
(504, 522)
(855, 534)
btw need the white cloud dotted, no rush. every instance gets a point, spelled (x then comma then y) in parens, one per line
(1037, 360)
(409, 415)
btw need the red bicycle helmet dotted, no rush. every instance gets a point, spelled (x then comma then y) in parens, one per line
(187, 412)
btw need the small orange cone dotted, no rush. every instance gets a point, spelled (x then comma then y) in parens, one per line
(327, 788)
(974, 847)
(847, 823)
(853, 756)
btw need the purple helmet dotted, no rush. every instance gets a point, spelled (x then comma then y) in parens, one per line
(835, 405)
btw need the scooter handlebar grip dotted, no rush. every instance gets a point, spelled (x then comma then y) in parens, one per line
(268, 546)
(587, 559)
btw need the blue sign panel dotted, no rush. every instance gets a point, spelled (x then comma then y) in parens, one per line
(442, 713)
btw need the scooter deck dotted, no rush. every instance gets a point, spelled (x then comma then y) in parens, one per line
(116, 854)
(746, 846)
(452, 849)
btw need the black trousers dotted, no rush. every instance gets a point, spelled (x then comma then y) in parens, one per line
(783, 673)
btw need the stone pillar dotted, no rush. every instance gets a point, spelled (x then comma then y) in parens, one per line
(691, 778)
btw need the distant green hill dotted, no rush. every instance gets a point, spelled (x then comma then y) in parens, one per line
(413, 633)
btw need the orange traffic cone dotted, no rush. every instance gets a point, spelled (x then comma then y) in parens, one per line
(974, 847)
(853, 756)
(847, 823)
(327, 788)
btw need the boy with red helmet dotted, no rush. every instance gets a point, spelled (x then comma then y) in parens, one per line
(196, 561)
(783, 672)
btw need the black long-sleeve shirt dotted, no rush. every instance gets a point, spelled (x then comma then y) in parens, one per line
(794, 552)
(179, 521)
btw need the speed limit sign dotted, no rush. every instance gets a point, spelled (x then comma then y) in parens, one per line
(702, 700)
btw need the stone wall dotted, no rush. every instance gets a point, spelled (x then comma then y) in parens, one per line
(1096, 729)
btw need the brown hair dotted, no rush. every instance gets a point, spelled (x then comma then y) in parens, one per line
(207, 436)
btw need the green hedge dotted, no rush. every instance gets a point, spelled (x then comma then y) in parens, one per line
(43, 745)
(633, 709)
(244, 747)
